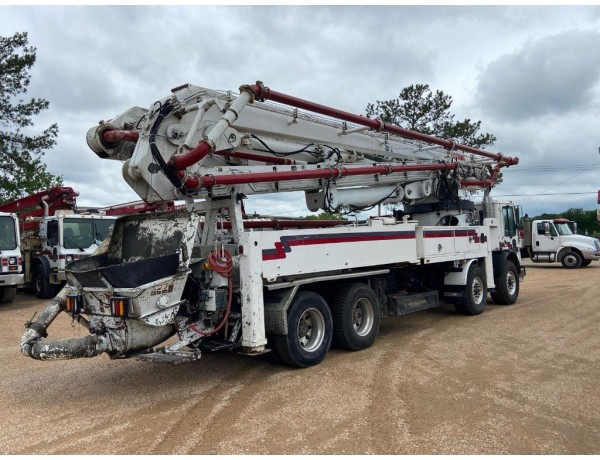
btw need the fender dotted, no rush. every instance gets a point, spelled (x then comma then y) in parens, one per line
(276, 307)
(458, 275)
(499, 259)
(563, 249)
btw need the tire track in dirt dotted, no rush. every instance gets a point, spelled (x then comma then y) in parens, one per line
(182, 437)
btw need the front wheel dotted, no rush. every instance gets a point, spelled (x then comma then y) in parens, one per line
(310, 330)
(41, 284)
(571, 260)
(475, 292)
(507, 285)
(586, 262)
(7, 294)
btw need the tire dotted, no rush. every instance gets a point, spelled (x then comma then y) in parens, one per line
(356, 317)
(41, 285)
(310, 330)
(7, 294)
(571, 260)
(586, 262)
(507, 285)
(475, 291)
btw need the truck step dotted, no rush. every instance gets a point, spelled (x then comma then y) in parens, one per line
(162, 357)
(216, 345)
(401, 303)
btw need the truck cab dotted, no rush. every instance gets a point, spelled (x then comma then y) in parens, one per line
(508, 215)
(556, 241)
(63, 238)
(11, 268)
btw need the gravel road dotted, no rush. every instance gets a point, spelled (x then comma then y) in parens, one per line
(522, 379)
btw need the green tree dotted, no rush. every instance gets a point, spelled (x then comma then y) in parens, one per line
(21, 168)
(420, 109)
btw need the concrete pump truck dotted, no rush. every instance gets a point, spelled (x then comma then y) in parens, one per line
(219, 281)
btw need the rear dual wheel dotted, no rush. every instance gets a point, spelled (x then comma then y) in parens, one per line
(309, 331)
(353, 321)
(356, 317)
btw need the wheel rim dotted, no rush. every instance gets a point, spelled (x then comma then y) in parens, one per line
(511, 283)
(362, 317)
(570, 260)
(477, 290)
(311, 329)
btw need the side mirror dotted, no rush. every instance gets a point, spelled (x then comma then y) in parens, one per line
(547, 228)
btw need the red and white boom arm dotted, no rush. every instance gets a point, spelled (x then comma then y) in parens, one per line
(200, 142)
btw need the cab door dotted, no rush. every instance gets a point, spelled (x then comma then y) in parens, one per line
(546, 237)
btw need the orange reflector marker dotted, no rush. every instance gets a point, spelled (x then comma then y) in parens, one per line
(74, 304)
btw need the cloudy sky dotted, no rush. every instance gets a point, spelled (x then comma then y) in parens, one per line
(530, 74)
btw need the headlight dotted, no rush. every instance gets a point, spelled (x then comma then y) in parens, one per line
(12, 261)
(69, 259)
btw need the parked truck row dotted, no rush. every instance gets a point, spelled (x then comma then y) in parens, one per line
(42, 233)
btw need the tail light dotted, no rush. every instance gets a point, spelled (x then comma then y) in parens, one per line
(119, 306)
(74, 304)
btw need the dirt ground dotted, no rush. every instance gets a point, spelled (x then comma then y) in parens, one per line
(522, 379)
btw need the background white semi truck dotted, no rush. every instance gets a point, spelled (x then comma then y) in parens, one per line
(219, 281)
(556, 240)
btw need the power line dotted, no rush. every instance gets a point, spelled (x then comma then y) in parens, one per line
(555, 168)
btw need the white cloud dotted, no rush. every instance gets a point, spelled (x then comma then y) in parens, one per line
(529, 73)
(551, 76)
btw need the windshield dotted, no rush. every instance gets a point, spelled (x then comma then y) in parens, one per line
(8, 236)
(82, 233)
(563, 229)
(103, 228)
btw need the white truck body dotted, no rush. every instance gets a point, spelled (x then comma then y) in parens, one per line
(11, 269)
(555, 241)
(57, 240)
